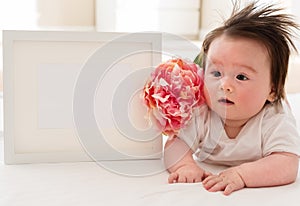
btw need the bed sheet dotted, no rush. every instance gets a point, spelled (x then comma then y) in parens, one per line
(86, 183)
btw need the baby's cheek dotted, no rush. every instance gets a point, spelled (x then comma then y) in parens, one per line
(207, 96)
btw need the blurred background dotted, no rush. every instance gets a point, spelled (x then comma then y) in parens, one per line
(189, 18)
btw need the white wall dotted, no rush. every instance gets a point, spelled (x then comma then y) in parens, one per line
(27, 14)
(213, 12)
(179, 17)
(66, 13)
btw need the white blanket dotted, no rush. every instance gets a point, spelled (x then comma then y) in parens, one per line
(88, 184)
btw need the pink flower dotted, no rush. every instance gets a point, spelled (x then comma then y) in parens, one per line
(171, 93)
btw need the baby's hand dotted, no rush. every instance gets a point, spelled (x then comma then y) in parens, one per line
(228, 181)
(188, 173)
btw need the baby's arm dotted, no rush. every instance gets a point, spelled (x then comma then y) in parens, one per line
(279, 168)
(276, 169)
(179, 161)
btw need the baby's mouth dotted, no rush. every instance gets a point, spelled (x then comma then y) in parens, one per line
(225, 101)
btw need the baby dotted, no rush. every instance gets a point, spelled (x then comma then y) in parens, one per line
(246, 123)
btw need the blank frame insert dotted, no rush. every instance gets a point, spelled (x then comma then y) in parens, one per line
(41, 70)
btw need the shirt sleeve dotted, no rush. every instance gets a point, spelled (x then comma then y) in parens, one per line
(193, 134)
(279, 132)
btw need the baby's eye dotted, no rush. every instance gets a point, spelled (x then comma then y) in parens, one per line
(241, 77)
(216, 73)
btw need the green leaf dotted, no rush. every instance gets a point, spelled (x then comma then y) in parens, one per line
(199, 59)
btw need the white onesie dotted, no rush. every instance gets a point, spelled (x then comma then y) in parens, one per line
(268, 131)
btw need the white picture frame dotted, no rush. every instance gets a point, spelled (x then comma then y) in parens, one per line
(39, 67)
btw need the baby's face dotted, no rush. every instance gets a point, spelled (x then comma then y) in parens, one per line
(237, 78)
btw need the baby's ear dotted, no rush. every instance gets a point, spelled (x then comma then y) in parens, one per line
(272, 96)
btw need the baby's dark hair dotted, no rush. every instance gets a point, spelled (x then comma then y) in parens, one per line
(267, 25)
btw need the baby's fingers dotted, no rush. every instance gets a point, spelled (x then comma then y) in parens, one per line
(216, 183)
(198, 179)
(213, 183)
(230, 188)
(173, 177)
(209, 179)
(182, 179)
(206, 174)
